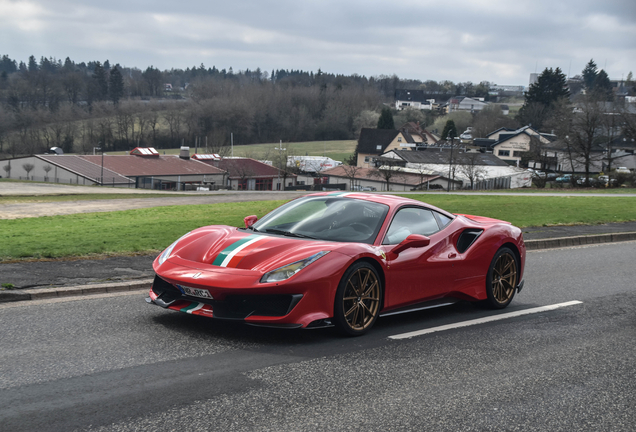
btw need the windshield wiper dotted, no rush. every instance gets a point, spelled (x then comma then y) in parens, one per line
(287, 233)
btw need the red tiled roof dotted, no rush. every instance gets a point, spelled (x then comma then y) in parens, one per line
(372, 174)
(156, 166)
(246, 168)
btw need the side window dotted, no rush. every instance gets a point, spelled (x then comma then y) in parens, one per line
(410, 220)
(442, 220)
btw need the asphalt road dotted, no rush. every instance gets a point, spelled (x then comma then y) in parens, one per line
(114, 363)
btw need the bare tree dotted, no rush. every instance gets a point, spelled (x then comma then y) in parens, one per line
(389, 169)
(28, 168)
(586, 127)
(351, 170)
(46, 169)
(174, 118)
(152, 119)
(7, 169)
(468, 165)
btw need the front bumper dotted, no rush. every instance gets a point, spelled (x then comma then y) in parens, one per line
(280, 310)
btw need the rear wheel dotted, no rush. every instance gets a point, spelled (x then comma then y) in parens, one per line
(358, 297)
(502, 279)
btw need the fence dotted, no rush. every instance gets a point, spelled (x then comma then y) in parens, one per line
(494, 183)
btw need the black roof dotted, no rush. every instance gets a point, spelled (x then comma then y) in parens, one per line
(484, 142)
(370, 139)
(440, 155)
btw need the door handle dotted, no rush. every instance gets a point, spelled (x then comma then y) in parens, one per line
(452, 255)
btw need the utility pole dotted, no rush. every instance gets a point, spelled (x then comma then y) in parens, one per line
(450, 164)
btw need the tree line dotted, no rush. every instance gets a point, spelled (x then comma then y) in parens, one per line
(78, 106)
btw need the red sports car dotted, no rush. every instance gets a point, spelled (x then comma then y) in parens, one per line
(340, 259)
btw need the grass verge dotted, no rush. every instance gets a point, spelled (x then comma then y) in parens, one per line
(150, 230)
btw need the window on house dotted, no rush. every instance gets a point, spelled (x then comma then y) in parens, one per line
(378, 147)
(367, 159)
(399, 139)
(504, 153)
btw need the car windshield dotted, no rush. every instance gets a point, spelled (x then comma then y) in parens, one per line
(326, 218)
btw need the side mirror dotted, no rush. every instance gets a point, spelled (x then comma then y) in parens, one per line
(250, 220)
(412, 241)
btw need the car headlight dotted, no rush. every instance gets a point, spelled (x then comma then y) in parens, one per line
(166, 253)
(285, 272)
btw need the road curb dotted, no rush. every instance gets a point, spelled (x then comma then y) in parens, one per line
(114, 287)
(560, 242)
(58, 292)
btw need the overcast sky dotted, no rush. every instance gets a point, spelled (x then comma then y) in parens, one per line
(500, 41)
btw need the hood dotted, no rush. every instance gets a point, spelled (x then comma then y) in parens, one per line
(230, 247)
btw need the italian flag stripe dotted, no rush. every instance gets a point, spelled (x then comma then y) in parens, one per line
(226, 255)
(192, 307)
(245, 251)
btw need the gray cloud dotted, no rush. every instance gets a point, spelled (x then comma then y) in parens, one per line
(494, 40)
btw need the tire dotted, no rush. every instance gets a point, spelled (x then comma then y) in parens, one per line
(502, 279)
(358, 299)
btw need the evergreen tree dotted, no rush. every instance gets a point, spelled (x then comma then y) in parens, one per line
(541, 97)
(100, 82)
(450, 131)
(154, 79)
(116, 85)
(7, 65)
(33, 65)
(68, 64)
(590, 73)
(386, 119)
(603, 86)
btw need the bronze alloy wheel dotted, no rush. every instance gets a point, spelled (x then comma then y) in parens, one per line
(358, 299)
(504, 277)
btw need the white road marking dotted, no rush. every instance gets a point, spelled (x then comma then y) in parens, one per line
(484, 320)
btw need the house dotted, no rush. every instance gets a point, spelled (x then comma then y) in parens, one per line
(466, 166)
(374, 142)
(509, 145)
(250, 174)
(416, 99)
(143, 168)
(463, 103)
(420, 135)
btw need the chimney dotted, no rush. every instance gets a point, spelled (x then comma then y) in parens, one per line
(185, 152)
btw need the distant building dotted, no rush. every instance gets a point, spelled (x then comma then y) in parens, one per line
(462, 103)
(144, 168)
(484, 166)
(374, 142)
(416, 99)
(250, 174)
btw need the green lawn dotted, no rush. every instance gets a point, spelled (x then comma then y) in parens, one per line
(150, 230)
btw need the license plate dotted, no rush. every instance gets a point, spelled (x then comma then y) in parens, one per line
(196, 292)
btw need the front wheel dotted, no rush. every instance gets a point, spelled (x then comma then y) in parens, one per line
(357, 302)
(502, 279)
